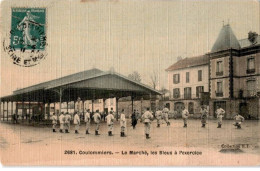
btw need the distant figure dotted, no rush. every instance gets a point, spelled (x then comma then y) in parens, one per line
(110, 123)
(15, 118)
(158, 116)
(76, 122)
(185, 116)
(67, 122)
(54, 122)
(62, 121)
(220, 114)
(97, 119)
(204, 115)
(134, 119)
(166, 115)
(87, 120)
(238, 121)
(147, 117)
(122, 123)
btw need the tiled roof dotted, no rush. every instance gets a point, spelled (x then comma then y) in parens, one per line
(189, 62)
(226, 40)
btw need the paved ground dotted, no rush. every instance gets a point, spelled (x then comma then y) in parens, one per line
(23, 145)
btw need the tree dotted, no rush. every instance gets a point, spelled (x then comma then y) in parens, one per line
(135, 76)
(154, 79)
(164, 91)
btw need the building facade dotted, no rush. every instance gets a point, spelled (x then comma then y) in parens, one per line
(230, 73)
(235, 74)
(188, 80)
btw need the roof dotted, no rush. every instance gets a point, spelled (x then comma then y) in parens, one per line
(226, 40)
(246, 43)
(88, 84)
(189, 62)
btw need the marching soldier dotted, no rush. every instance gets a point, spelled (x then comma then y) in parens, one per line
(110, 123)
(97, 119)
(238, 121)
(76, 122)
(67, 122)
(122, 123)
(166, 115)
(220, 114)
(204, 115)
(54, 122)
(147, 117)
(87, 120)
(158, 116)
(62, 120)
(185, 116)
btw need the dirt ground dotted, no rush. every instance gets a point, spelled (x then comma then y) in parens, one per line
(173, 145)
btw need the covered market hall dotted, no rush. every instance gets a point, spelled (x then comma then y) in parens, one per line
(88, 85)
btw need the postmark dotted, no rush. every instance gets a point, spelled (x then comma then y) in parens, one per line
(27, 38)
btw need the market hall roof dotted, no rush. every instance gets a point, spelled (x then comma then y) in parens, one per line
(189, 62)
(226, 40)
(89, 84)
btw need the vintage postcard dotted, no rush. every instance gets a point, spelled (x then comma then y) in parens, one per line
(130, 83)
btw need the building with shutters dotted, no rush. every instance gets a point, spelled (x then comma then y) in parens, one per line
(188, 81)
(230, 72)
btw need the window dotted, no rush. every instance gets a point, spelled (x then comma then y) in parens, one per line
(219, 91)
(250, 65)
(187, 77)
(199, 89)
(251, 87)
(176, 93)
(187, 93)
(176, 78)
(219, 68)
(191, 107)
(199, 75)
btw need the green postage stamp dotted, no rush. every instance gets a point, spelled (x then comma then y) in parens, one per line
(27, 36)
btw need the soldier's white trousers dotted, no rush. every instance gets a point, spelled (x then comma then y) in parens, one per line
(87, 126)
(110, 127)
(122, 129)
(147, 126)
(62, 126)
(97, 126)
(220, 120)
(158, 121)
(77, 127)
(185, 120)
(67, 126)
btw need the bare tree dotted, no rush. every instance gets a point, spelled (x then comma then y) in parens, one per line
(164, 91)
(154, 79)
(135, 76)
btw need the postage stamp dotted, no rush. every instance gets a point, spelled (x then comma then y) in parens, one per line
(27, 36)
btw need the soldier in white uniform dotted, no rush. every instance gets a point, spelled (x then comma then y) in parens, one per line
(76, 122)
(220, 114)
(238, 121)
(122, 123)
(97, 119)
(166, 115)
(87, 120)
(147, 117)
(204, 115)
(110, 123)
(54, 122)
(185, 116)
(158, 116)
(67, 122)
(62, 120)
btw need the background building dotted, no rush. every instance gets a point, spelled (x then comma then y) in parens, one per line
(187, 81)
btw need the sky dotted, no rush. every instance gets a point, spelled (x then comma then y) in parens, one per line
(138, 35)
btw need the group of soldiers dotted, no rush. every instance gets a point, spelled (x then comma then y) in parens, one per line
(147, 117)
